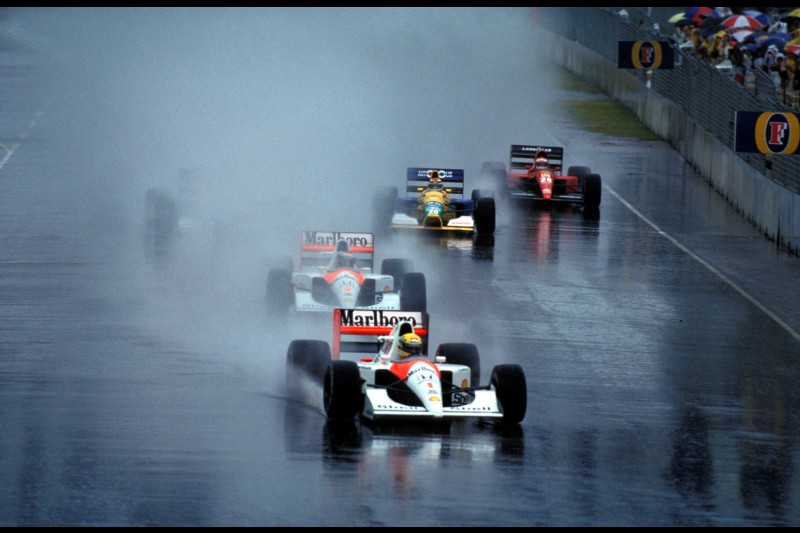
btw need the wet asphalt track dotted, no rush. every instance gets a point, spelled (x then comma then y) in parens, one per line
(660, 343)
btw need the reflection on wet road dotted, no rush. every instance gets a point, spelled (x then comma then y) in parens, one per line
(658, 337)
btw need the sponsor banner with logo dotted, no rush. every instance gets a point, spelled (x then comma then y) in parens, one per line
(360, 330)
(767, 132)
(645, 55)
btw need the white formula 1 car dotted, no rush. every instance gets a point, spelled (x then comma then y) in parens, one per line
(336, 271)
(385, 387)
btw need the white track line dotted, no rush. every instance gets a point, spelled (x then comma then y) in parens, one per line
(706, 264)
(9, 150)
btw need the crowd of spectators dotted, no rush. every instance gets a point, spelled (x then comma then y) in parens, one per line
(773, 47)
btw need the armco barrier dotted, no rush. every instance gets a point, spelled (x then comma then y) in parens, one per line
(770, 207)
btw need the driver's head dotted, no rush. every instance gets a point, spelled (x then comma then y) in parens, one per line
(408, 345)
(345, 260)
(435, 180)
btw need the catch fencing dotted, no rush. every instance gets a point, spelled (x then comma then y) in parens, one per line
(709, 96)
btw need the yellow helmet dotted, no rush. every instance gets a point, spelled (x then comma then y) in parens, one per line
(408, 345)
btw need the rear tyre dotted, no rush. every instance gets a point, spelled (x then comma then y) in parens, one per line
(508, 382)
(342, 397)
(484, 215)
(463, 353)
(414, 294)
(396, 268)
(280, 292)
(311, 357)
(592, 191)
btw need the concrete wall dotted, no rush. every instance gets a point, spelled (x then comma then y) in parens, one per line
(773, 209)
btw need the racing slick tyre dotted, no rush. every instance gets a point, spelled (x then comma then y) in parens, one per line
(283, 262)
(580, 172)
(477, 194)
(592, 191)
(463, 353)
(161, 218)
(342, 397)
(310, 357)
(396, 268)
(280, 293)
(383, 210)
(508, 382)
(414, 294)
(484, 215)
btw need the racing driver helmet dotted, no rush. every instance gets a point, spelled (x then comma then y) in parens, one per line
(345, 260)
(434, 180)
(541, 163)
(409, 345)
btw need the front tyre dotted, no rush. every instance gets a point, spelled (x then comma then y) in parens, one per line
(508, 382)
(280, 292)
(592, 191)
(463, 353)
(477, 194)
(484, 215)
(414, 294)
(396, 268)
(161, 219)
(383, 210)
(342, 397)
(311, 357)
(579, 172)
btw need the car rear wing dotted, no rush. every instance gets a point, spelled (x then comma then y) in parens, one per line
(523, 155)
(317, 247)
(357, 332)
(452, 178)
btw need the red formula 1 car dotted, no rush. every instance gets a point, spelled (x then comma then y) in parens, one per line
(534, 175)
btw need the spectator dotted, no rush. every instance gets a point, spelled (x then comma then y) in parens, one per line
(775, 24)
(724, 12)
(699, 44)
(718, 47)
(779, 72)
(768, 60)
(680, 34)
(737, 60)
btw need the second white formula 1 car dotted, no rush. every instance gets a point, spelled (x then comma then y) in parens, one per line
(336, 271)
(397, 381)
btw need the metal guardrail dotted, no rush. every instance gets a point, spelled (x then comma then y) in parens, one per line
(710, 97)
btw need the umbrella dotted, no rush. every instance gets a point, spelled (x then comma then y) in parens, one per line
(751, 47)
(708, 31)
(758, 15)
(741, 35)
(795, 13)
(756, 35)
(769, 41)
(781, 35)
(697, 14)
(792, 49)
(677, 17)
(742, 21)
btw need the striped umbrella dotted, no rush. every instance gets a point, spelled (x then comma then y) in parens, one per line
(742, 21)
(792, 49)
